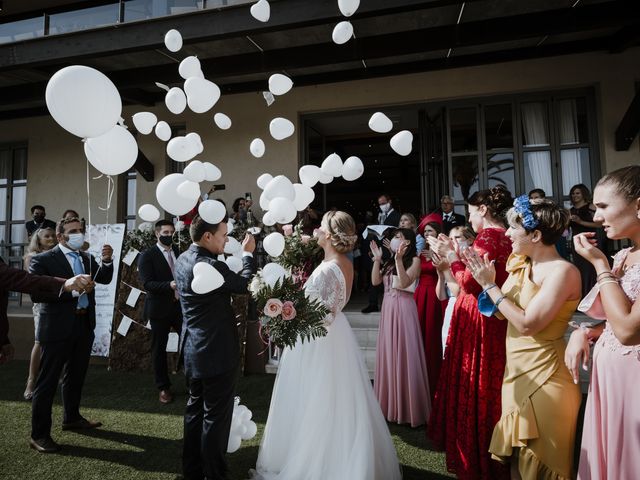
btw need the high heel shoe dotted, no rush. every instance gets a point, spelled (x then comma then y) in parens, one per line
(28, 392)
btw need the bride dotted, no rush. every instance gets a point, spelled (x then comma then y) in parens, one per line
(324, 420)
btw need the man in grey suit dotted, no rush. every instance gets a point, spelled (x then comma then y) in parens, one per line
(211, 349)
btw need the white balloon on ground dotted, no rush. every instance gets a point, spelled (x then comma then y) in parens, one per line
(195, 171)
(173, 40)
(273, 244)
(222, 121)
(281, 128)
(175, 100)
(272, 272)
(113, 153)
(251, 431)
(280, 186)
(257, 147)
(402, 142)
(211, 172)
(232, 246)
(163, 130)
(168, 198)
(332, 165)
(380, 123)
(264, 179)
(261, 11)
(195, 141)
(234, 443)
(83, 101)
(282, 210)
(202, 94)
(304, 196)
(212, 211)
(144, 122)
(352, 169)
(149, 213)
(180, 149)
(189, 189)
(279, 84)
(342, 32)
(189, 67)
(309, 175)
(206, 278)
(268, 220)
(348, 7)
(234, 264)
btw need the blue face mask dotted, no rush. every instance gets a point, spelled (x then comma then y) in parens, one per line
(76, 240)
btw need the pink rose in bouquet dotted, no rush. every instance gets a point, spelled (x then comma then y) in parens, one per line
(287, 230)
(305, 239)
(288, 311)
(273, 308)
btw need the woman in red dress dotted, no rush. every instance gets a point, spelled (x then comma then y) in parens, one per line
(430, 310)
(467, 403)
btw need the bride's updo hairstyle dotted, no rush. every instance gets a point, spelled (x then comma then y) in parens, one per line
(626, 180)
(342, 230)
(498, 201)
(549, 218)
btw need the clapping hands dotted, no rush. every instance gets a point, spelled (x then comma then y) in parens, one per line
(376, 251)
(482, 269)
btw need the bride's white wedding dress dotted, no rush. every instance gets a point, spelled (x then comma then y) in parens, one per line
(324, 420)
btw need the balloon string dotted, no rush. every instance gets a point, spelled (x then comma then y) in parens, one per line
(89, 211)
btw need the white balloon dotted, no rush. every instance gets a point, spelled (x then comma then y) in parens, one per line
(282, 210)
(232, 246)
(380, 123)
(257, 147)
(251, 431)
(267, 218)
(309, 175)
(324, 178)
(211, 172)
(179, 225)
(189, 189)
(230, 225)
(332, 165)
(234, 443)
(342, 33)
(83, 101)
(195, 141)
(173, 40)
(180, 149)
(202, 94)
(145, 226)
(281, 128)
(274, 244)
(175, 100)
(280, 186)
(264, 202)
(149, 213)
(261, 11)
(114, 152)
(206, 278)
(222, 121)
(195, 171)
(352, 169)
(144, 122)
(348, 7)
(234, 264)
(168, 198)
(402, 142)
(304, 196)
(245, 416)
(272, 272)
(189, 67)
(264, 179)
(279, 84)
(212, 211)
(163, 131)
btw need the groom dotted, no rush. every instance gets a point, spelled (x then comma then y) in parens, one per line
(210, 345)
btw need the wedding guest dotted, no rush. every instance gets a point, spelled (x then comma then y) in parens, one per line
(38, 214)
(43, 240)
(540, 402)
(450, 218)
(537, 194)
(610, 440)
(407, 220)
(401, 383)
(467, 401)
(241, 207)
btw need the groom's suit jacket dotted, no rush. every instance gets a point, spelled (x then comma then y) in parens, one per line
(210, 342)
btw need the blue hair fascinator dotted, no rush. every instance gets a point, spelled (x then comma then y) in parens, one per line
(523, 208)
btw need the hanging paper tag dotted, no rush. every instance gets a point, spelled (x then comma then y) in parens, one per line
(172, 342)
(125, 323)
(130, 256)
(132, 299)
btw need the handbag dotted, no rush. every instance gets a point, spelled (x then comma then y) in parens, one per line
(395, 282)
(591, 304)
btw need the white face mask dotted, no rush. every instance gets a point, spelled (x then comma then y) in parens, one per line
(385, 207)
(395, 244)
(76, 240)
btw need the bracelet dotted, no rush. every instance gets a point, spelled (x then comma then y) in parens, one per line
(607, 281)
(609, 272)
(610, 278)
(493, 285)
(498, 301)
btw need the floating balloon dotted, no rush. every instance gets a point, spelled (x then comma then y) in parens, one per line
(264, 202)
(257, 148)
(348, 7)
(206, 278)
(264, 179)
(402, 142)
(324, 178)
(175, 100)
(281, 128)
(304, 196)
(163, 131)
(332, 165)
(212, 211)
(180, 149)
(261, 11)
(282, 210)
(352, 169)
(189, 189)
(272, 272)
(222, 121)
(202, 94)
(195, 171)
(274, 244)
(211, 172)
(168, 198)
(234, 264)
(267, 219)
(190, 67)
(342, 32)
(144, 122)
(83, 101)
(279, 84)
(309, 175)
(195, 141)
(380, 123)
(148, 213)
(113, 153)
(232, 246)
(173, 40)
(280, 186)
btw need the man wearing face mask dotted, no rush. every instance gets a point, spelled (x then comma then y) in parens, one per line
(161, 306)
(39, 221)
(65, 332)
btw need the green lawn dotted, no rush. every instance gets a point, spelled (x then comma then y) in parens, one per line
(140, 438)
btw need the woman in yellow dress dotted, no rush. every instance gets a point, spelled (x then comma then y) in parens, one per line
(540, 401)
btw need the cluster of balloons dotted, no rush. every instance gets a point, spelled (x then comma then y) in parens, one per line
(343, 31)
(242, 427)
(401, 142)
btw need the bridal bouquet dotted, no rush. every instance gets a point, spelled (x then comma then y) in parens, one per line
(286, 313)
(301, 254)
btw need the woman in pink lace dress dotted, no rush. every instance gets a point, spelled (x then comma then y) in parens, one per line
(611, 434)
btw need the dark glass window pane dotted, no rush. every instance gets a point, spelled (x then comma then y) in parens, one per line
(18, 233)
(464, 131)
(501, 171)
(537, 172)
(20, 165)
(498, 126)
(82, 19)
(575, 168)
(6, 157)
(535, 124)
(3, 205)
(465, 176)
(18, 202)
(573, 127)
(21, 30)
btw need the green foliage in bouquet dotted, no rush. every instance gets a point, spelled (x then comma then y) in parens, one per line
(301, 254)
(286, 313)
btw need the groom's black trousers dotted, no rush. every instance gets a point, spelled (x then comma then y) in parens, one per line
(207, 422)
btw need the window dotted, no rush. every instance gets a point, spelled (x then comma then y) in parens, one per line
(13, 202)
(129, 194)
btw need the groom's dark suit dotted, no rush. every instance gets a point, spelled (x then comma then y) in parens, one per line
(211, 350)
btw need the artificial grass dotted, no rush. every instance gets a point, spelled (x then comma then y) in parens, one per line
(142, 439)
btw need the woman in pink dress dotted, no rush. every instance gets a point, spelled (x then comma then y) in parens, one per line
(401, 380)
(611, 433)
